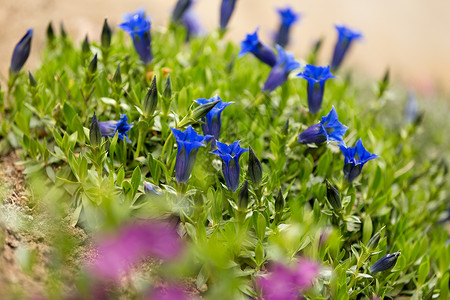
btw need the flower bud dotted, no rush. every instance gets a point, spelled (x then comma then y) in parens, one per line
(373, 242)
(21, 52)
(85, 46)
(279, 202)
(333, 196)
(33, 82)
(106, 35)
(385, 263)
(95, 135)
(93, 65)
(117, 79)
(243, 196)
(285, 129)
(168, 89)
(254, 167)
(62, 30)
(50, 33)
(201, 111)
(151, 99)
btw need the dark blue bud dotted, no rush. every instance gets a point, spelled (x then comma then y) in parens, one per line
(385, 263)
(315, 134)
(180, 8)
(21, 52)
(226, 10)
(333, 196)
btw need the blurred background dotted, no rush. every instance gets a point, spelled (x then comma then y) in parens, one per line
(409, 37)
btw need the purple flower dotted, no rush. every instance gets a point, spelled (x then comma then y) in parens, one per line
(329, 129)
(253, 45)
(21, 52)
(226, 10)
(285, 283)
(132, 243)
(316, 78)
(230, 162)
(288, 18)
(188, 142)
(280, 72)
(192, 24)
(109, 128)
(355, 158)
(171, 292)
(345, 38)
(212, 120)
(138, 26)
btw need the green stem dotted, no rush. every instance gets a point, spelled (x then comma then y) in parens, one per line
(139, 143)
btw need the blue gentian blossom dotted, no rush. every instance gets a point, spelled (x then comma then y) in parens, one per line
(109, 128)
(411, 109)
(316, 78)
(212, 120)
(180, 9)
(21, 52)
(192, 24)
(138, 25)
(329, 129)
(230, 162)
(355, 158)
(253, 45)
(344, 41)
(188, 142)
(226, 10)
(288, 18)
(280, 72)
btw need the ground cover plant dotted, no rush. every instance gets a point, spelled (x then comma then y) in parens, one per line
(197, 168)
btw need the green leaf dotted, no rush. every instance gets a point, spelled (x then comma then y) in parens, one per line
(136, 179)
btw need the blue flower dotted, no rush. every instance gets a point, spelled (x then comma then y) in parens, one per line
(192, 24)
(355, 158)
(188, 142)
(230, 162)
(109, 128)
(384, 263)
(21, 52)
(212, 120)
(411, 109)
(226, 10)
(138, 26)
(180, 8)
(152, 190)
(280, 72)
(316, 77)
(288, 18)
(329, 129)
(253, 45)
(344, 41)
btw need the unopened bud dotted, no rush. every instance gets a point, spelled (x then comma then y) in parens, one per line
(168, 88)
(385, 263)
(279, 202)
(95, 135)
(333, 196)
(151, 99)
(243, 196)
(254, 167)
(373, 242)
(50, 32)
(106, 35)
(85, 46)
(117, 79)
(202, 110)
(33, 82)
(93, 65)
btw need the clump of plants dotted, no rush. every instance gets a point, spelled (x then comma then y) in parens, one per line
(198, 169)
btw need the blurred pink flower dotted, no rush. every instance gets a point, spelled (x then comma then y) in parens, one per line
(286, 283)
(131, 244)
(171, 292)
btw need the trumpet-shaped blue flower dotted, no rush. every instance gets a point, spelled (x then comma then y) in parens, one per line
(253, 45)
(288, 18)
(109, 128)
(226, 10)
(230, 162)
(188, 142)
(21, 52)
(355, 158)
(280, 72)
(344, 41)
(212, 120)
(329, 129)
(316, 78)
(192, 24)
(180, 8)
(138, 26)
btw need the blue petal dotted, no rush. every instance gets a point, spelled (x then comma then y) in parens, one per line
(314, 134)
(335, 129)
(288, 16)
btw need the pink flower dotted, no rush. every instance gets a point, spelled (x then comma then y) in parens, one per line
(286, 283)
(171, 292)
(131, 244)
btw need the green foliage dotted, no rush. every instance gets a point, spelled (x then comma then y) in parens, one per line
(286, 214)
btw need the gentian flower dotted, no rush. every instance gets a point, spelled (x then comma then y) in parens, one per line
(230, 162)
(355, 158)
(253, 45)
(109, 128)
(21, 52)
(212, 120)
(280, 72)
(138, 26)
(131, 244)
(385, 263)
(285, 283)
(188, 142)
(329, 129)
(180, 8)
(316, 78)
(344, 41)
(192, 24)
(226, 10)
(288, 18)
